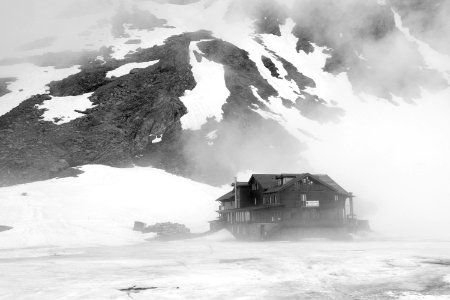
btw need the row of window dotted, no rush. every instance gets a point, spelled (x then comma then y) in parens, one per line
(271, 199)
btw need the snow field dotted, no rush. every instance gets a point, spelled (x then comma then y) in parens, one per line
(99, 207)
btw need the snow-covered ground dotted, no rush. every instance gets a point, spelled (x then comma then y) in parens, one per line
(207, 269)
(100, 206)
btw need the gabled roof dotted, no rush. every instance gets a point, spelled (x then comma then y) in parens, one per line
(278, 188)
(331, 183)
(227, 197)
(322, 178)
(266, 180)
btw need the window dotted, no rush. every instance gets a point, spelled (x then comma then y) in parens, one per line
(336, 197)
(287, 179)
(303, 199)
(276, 200)
(271, 199)
(255, 186)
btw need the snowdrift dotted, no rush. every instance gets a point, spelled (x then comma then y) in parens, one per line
(100, 206)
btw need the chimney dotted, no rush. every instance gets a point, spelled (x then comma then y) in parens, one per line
(235, 193)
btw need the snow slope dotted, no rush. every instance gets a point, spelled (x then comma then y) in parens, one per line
(100, 206)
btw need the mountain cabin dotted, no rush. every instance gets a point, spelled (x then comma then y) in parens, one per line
(272, 206)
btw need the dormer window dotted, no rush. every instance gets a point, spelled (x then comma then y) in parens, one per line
(286, 179)
(282, 180)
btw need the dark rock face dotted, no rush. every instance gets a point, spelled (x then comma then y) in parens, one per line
(305, 36)
(354, 47)
(88, 80)
(129, 110)
(241, 73)
(316, 109)
(268, 63)
(244, 137)
(132, 110)
(5, 228)
(301, 80)
(4, 85)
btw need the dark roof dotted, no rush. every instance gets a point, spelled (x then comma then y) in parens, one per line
(227, 197)
(331, 183)
(278, 188)
(266, 180)
(269, 183)
(322, 178)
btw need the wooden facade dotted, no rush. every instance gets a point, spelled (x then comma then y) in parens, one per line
(269, 203)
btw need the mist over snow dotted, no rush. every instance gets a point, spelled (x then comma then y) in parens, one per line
(375, 119)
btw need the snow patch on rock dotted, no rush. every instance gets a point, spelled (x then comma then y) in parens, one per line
(125, 69)
(60, 110)
(209, 95)
(31, 80)
(156, 138)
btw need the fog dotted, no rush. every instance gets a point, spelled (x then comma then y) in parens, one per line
(391, 146)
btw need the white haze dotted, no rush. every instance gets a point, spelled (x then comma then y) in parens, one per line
(394, 157)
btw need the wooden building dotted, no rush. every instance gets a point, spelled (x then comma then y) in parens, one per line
(277, 205)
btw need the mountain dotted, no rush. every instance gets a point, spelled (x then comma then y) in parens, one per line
(204, 98)
(208, 89)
